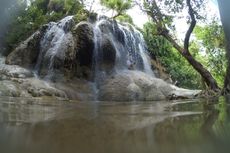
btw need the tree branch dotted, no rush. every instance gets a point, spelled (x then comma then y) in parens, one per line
(115, 16)
(191, 27)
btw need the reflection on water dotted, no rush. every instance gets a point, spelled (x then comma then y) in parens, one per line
(35, 126)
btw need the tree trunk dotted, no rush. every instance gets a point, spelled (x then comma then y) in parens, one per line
(224, 13)
(157, 17)
(206, 75)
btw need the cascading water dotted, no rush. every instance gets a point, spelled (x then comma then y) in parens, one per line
(126, 41)
(112, 54)
(53, 45)
(96, 56)
(117, 47)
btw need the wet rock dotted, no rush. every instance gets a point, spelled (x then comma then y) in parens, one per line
(27, 52)
(108, 51)
(13, 71)
(61, 61)
(77, 89)
(115, 89)
(39, 88)
(84, 38)
(136, 85)
(9, 88)
(159, 70)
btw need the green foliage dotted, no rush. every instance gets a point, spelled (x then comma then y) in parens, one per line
(179, 69)
(24, 25)
(125, 18)
(211, 38)
(120, 6)
(38, 13)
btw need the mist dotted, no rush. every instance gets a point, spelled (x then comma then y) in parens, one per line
(8, 10)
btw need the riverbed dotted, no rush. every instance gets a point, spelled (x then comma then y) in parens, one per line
(53, 126)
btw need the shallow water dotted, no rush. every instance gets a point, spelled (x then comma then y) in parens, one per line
(47, 126)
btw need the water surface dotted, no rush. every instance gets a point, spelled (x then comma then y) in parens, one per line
(48, 126)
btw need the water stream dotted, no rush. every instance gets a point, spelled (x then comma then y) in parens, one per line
(35, 126)
(128, 43)
(52, 45)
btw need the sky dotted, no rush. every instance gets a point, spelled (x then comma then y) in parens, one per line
(139, 18)
(211, 8)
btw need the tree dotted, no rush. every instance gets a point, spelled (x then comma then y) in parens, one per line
(224, 13)
(163, 23)
(8, 9)
(211, 39)
(181, 72)
(40, 12)
(119, 6)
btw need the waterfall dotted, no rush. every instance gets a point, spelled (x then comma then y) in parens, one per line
(52, 45)
(97, 56)
(117, 47)
(128, 43)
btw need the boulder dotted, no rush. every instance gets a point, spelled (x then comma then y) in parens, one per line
(84, 38)
(62, 60)
(27, 52)
(13, 71)
(108, 52)
(40, 88)
(136, 85)
(9, 88)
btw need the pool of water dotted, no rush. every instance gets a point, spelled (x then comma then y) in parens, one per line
(48, 126)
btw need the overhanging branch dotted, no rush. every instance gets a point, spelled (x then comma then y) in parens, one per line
(191, 27)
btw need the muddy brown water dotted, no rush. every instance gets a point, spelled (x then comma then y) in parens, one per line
(52, 126)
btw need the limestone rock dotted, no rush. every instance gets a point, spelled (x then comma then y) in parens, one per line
(84, 38)
(136, 85)
(9, 88)
(61, 61)
(108, 52)
(27, 52)
(39, 88)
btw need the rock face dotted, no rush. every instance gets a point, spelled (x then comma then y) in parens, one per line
(84, 38)
(62, 58)
(136, 85)
(108, 52)
(27, 52)
(57, 49)
(16, 81)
